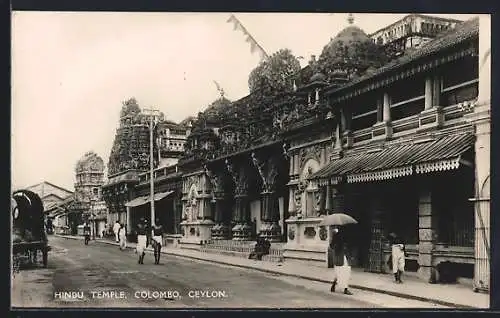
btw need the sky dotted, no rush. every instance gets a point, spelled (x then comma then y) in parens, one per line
(71, 71)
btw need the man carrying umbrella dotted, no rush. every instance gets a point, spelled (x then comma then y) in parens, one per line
(339, 247)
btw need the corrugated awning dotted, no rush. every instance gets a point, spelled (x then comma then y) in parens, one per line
(437, 154)
(146, 199)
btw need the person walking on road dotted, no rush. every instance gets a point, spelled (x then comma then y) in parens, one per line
(116, 229)
(398, 257)
(341, 261)
(157, 235)
(123, 237)
(86, 232)
(142, 240)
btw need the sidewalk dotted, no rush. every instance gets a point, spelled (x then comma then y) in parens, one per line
(447, 295)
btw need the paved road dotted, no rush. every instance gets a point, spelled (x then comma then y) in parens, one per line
(101, 275)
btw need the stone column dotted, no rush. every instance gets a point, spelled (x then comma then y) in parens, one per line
(292, 209)
(328, 199)
(436, 91)
(242, 231)
(386, 108)
(428, 93)
(481, 117)
(129, 222)
(270, 228)
(432, 116)
(220, 231)
(426, 235)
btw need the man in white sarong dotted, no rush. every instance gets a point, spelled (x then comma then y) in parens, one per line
(123, 237)
(398, 257)
(342, 269)
(116, 229)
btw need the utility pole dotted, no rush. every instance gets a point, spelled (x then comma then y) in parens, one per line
(153, 115)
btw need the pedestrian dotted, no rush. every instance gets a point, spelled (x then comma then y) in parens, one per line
(398, 256)
(341, 261)
(141, 240)
(86, 232)
(116, 229)
(123, 237)
(157, 235)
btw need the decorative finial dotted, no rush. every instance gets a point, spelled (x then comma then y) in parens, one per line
(350, 18)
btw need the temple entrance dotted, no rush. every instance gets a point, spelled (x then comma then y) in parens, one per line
(164, 210)
(359, 235)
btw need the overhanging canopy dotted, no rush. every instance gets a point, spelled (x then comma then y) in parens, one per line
(146, 199)
(394, 161)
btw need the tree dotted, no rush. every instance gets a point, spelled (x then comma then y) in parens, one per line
(275, 73)
(352, 58)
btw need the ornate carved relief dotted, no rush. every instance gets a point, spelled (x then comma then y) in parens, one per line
(268, 172)
(311, 152)
(191, 206)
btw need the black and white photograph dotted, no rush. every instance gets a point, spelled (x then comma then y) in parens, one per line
(182, 160)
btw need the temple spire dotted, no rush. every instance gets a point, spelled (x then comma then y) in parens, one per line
(350, 18)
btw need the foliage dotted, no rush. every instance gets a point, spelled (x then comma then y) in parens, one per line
(275, 72)
(352, 58)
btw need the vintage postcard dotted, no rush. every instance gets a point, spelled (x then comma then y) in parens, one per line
(250, 160)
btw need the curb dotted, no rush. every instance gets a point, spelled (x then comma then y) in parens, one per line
(354, 286)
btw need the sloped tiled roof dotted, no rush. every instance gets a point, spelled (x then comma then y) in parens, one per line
(463, 31)
(398, 156)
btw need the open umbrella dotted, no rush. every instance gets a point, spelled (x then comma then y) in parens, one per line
(338, 219)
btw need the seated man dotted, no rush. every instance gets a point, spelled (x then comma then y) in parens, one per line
(261, 248)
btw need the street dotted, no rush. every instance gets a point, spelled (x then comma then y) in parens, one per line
(100, 275)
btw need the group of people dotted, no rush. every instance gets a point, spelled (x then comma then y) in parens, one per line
(120, 234)
(156, 232)
(341, 258)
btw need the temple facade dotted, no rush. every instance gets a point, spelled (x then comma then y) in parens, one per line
(127, 189)
(380, 136)
(88, 191)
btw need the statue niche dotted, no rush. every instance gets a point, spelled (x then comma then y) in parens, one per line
(192, 209)
(307, 201)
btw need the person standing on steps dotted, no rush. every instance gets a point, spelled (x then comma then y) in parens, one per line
(142, 239)
(157, 235)
(398, 256)
(341, 261)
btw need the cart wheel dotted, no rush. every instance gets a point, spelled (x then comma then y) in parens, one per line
(45, 257)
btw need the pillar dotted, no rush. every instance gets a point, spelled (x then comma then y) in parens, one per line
(436, 91)
(481, 117)
(270, 216)
(386, 108)
(220, 231)
(426, 235)
(242, 231)
(328, 200)
(428, 93)
(129, 222)
(292, 209)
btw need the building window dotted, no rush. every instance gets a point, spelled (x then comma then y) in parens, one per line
(95, 191)
(460, 81)
(407, 97)
(364, 111)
